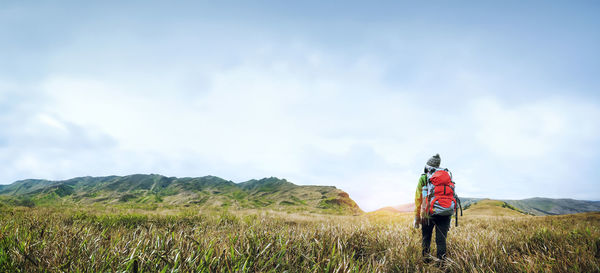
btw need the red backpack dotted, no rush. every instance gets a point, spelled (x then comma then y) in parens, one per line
(439, 196)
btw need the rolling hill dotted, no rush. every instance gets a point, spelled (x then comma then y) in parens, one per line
(549, 206)
(151, 191)
(532, 206)
(410, 207)
(488, 207)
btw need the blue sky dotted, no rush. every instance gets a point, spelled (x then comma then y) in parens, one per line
(356, 95)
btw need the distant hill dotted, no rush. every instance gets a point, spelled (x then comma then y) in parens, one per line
(400, 208)
(533, 206)
(410, 207)
(488, 207)
(466, 201)
(148, 191)
(549, 206)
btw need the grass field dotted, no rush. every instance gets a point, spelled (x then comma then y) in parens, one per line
(117, 240)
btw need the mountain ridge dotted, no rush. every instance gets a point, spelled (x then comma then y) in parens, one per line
(153, 190)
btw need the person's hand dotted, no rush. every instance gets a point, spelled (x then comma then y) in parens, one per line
(417, 222)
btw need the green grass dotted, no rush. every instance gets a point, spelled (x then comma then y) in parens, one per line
(178, 239)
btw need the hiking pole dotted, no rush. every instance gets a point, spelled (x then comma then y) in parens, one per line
(456, 211)
(458, 204)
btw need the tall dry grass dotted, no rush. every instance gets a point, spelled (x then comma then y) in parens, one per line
(76, 240)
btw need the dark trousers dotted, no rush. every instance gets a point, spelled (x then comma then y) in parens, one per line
(441, 224)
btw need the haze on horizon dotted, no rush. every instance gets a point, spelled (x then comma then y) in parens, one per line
(341, 93)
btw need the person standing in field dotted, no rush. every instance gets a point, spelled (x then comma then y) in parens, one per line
(434, 205)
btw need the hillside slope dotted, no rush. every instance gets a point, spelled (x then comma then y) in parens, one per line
(487, 207)
(549, 206)
(410, 207)
(150, 191)
(533, 206)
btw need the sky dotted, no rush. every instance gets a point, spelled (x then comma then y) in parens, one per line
(351, 94)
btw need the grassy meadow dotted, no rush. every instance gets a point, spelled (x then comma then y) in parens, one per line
(96, 239)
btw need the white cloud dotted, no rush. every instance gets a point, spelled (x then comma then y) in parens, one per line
(313, 120)
(245, 102)
(530, 130)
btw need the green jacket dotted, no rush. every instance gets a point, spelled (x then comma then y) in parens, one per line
(419, 195)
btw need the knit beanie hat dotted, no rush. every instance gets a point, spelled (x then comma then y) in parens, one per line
(434, 161)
